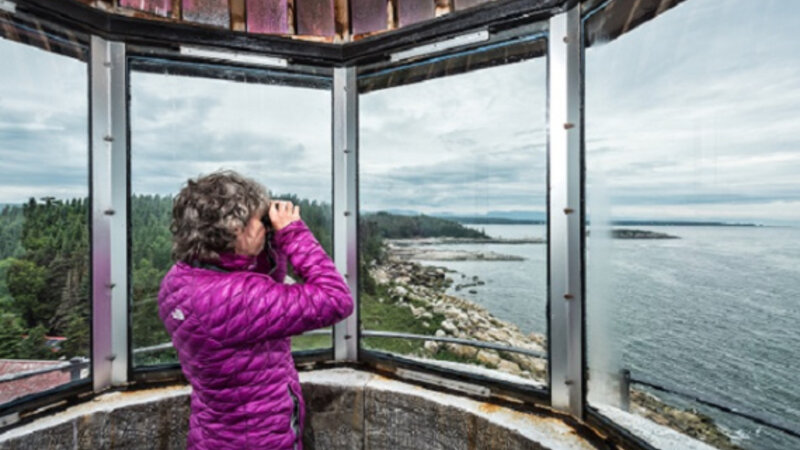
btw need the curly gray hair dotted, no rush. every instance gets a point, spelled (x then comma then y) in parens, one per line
(208, 211)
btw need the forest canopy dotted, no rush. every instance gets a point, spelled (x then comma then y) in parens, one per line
(45, 277)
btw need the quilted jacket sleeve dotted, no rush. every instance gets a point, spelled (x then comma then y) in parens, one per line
(259, 308)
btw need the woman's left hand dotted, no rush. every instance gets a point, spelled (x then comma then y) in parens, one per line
(250, 240)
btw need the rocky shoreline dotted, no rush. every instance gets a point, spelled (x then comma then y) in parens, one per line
(456, 240)
(428, 254)
(421, 289)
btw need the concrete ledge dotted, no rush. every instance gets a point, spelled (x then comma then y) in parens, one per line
(153, 418)
(347, 409)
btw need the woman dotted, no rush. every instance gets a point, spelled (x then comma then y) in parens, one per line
(231, 317)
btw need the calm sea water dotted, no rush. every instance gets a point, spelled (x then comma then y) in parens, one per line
(716, 311)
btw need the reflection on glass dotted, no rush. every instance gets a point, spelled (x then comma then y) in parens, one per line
(182, 127)
(452, 222)
(44, 210)
(694, 207)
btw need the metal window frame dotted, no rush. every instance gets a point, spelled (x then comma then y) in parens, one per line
(109, 213)
(110, 143)
(345, 203)
(21, 410)
(566, 338)
(110, 191)
(381, 360)
(149, 59)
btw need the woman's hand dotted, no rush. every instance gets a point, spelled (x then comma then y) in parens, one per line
(282, 213)
(250, 239)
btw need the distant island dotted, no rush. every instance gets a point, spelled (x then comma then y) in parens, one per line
(421, 230)
(468, 220)
(540, 218)
(532, 217)
(463, 240)
(626, 233)
(681, 223)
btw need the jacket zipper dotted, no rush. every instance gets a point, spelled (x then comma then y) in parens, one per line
(295, 416)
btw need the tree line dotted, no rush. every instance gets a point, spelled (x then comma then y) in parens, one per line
(44, 267)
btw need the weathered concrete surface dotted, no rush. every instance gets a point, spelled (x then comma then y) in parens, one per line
(334, 409)
(149, 419)
(404, 416)
(347, 409)
(657, 435)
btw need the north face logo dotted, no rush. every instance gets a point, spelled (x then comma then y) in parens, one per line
(177, 314)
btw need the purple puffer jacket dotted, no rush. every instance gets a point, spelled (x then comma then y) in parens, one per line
(232, 333)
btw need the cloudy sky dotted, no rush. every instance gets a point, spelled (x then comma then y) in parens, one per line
(696, 115)
(469, 144)
(691, 116)
(43, 125)
(182, 127)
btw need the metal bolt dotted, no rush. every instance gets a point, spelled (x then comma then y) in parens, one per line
(346, 151)
(566, 39)
(348, 336)
(111, 357)
(568, 296)
(109, 212)
(568, 210)
(347, 213)
(108, 138)
(569, 382)
(107, 63)
(569, 125)
(110, 285)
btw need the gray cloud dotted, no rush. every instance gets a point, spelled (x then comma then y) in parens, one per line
(43, 125)
(693, 115)
(466, 144)
(182, 127)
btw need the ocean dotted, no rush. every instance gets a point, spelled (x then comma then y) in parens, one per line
(716, 311)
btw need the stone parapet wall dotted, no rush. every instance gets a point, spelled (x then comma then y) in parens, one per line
(347, 409)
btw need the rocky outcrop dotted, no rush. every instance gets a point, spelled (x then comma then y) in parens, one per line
(414, 242)
(688, 422)
(422, 290)
(430, 254)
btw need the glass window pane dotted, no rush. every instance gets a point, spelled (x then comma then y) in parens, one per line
(694, 207)
(182, 127)
(44, 211)
(452, 218)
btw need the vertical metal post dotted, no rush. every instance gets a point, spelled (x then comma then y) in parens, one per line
(109, 213)
(75, 369)
(345, 202)
(625, 390)
(566, 258)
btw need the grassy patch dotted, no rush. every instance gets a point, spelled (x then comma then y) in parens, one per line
(310, 342)
(390, 316)
(166, 356)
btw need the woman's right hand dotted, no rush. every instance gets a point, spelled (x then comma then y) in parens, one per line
(282, 213)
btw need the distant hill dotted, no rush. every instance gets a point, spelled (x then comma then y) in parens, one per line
(396, 212)
(497, 217)
(473, 220)
(522, 217)
(395, 226)
(680, 223)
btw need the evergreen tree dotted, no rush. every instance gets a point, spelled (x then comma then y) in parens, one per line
(11, 333)
(33, 346)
